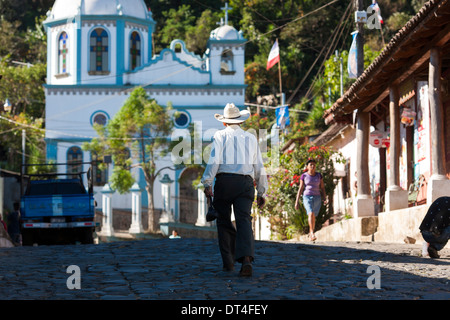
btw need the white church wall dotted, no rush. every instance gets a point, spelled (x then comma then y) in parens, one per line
(68, 114)
(167, 69)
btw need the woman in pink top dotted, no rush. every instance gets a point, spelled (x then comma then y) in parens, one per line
(312, 189)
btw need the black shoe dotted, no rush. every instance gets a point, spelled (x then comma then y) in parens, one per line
(228, 268)
(247, 268)
(433, 252)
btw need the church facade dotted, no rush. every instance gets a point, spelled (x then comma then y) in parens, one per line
(98, 51)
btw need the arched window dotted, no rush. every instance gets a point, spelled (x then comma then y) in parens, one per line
(135, 50)
(99, 52)
(100, 177)
(74, 159)
(226, 62)
(63, 53)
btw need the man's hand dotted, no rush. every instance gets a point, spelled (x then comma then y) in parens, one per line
(208, 192)
(260, 201)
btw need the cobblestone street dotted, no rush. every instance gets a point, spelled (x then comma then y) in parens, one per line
(190, 269)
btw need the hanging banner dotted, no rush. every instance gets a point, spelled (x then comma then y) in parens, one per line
(282, 114)
(352, 63)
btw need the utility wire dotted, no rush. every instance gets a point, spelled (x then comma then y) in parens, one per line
(344, 17)
(163, 77)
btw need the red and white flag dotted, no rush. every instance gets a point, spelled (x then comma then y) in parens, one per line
(274, 56)
(375, 7)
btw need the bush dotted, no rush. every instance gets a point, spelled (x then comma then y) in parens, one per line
(283, 188)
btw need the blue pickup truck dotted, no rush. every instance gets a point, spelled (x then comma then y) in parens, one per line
(57, 211)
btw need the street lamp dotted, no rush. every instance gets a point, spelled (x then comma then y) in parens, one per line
(165, 188)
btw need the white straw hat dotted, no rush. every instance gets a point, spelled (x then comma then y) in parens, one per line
(231, 114)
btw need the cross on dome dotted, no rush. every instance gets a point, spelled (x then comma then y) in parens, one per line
(226, 9)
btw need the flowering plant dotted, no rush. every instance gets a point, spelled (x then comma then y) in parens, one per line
(284, 184)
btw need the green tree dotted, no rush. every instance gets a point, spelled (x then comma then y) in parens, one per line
(197, 36)
(284, 184)
(141, 126)
(11, 133)
(23, 86)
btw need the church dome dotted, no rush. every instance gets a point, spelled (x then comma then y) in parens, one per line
(63, 9)
(225, 32)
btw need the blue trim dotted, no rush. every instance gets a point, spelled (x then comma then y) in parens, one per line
(160, 57)
(73, 140)
(120, 54)
(97, 112)
(142, 184)
(52, 150)
(145, 22)
(151, 86)
(188, 122)
(78, 58)
(183, 47)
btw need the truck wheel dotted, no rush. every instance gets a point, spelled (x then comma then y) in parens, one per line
(86, 236)
(27, 237)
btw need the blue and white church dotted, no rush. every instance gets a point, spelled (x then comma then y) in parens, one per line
(97, 52)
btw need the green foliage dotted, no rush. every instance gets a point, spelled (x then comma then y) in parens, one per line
(141, 126)
(11, 142)
(23, 87)
(283, 188)
(135, 137)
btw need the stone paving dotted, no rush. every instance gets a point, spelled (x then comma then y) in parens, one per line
(190, 269)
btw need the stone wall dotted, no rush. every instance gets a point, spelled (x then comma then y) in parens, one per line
(396, 225)
(122, 219)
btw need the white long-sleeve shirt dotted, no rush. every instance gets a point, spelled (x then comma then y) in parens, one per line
(236, 151)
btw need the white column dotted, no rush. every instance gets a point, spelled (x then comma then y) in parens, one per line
(107, 225)
(136, 205)
(167, 215)
(202, 208)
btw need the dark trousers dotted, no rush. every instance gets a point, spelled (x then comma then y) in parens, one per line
(437, 241)
(237, 191)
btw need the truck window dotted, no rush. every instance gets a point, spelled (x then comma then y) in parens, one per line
(47, 188)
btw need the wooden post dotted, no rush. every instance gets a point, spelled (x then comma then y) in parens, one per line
(436, 113)
(362, 160)
(364, 202)
(394, 115)
(438, 184)
(396, 197)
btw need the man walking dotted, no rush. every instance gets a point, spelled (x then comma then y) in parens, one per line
(236, 163)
